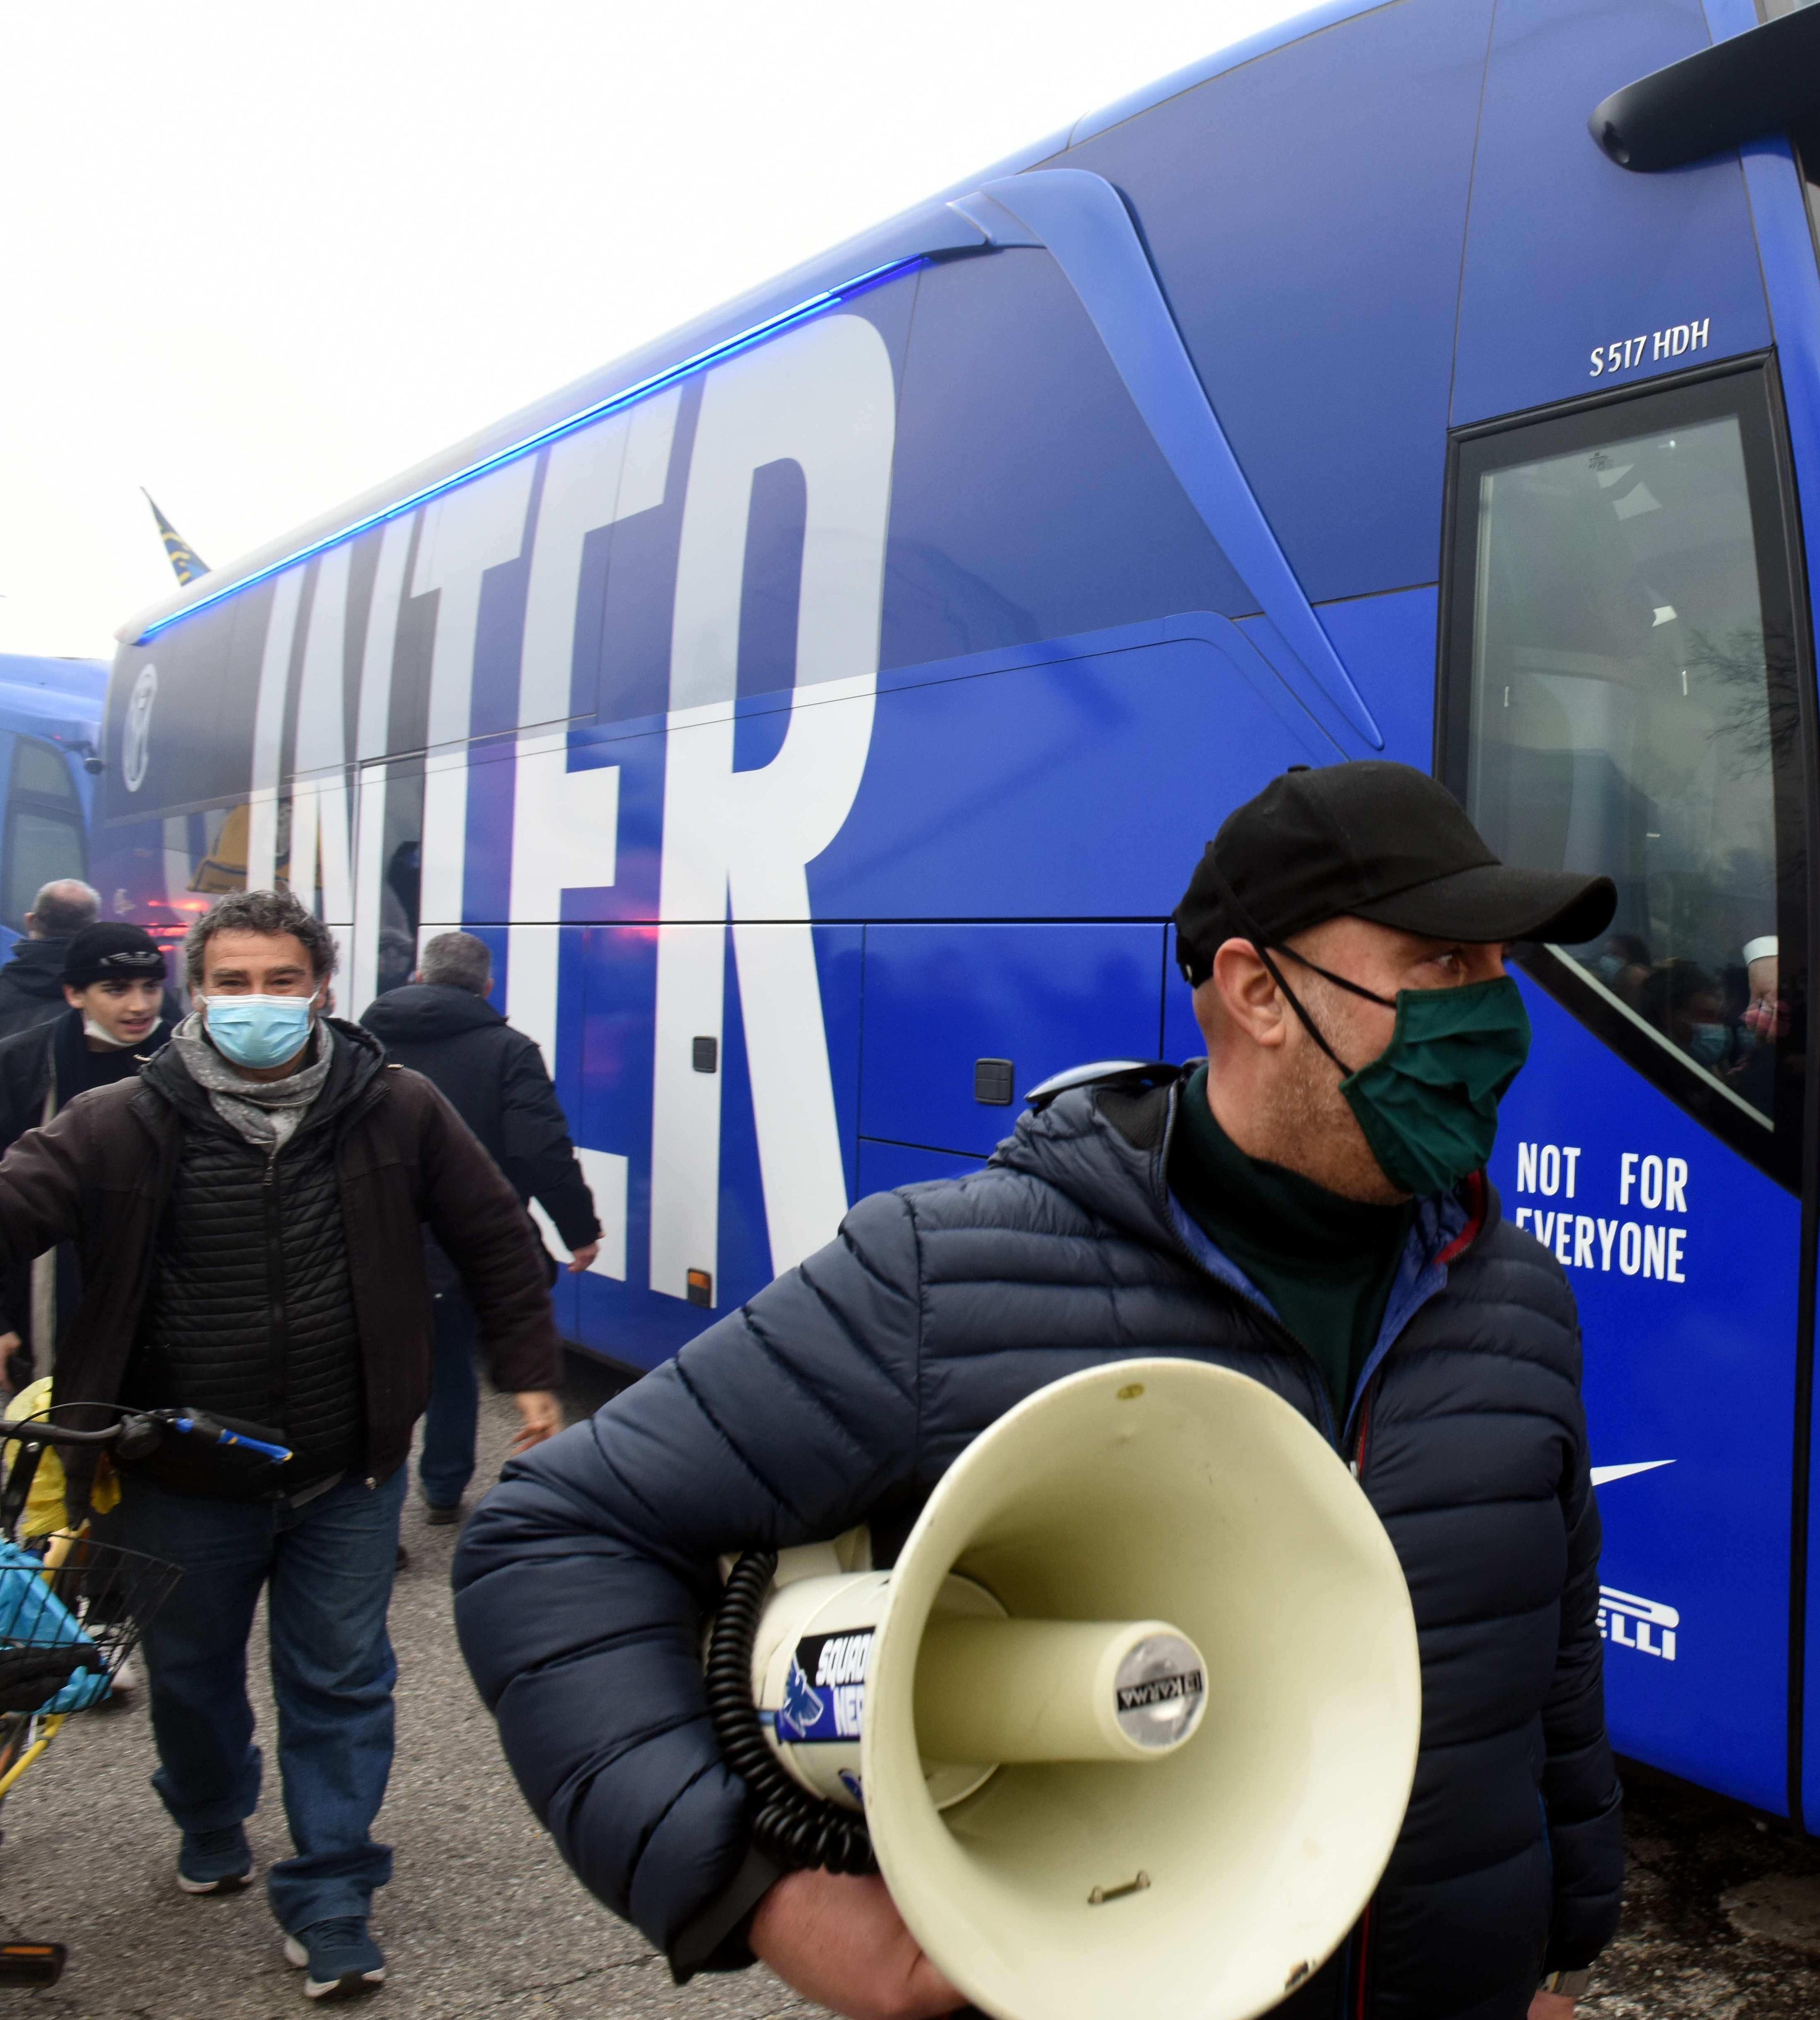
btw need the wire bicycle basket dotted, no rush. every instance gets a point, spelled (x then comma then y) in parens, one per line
(73, 1606)
(69, 1619)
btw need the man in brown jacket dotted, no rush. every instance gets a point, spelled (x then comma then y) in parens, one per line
(248, 1215)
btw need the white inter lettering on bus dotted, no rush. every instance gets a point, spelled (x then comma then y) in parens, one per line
(1646, 1181)
(466, 533)
(741, 841)
(565, 823)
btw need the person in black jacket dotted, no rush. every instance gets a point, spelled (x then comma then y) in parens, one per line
(249, 1213)
(31, 983)
(114, 988)
(441, 1026)
(1308, 1207)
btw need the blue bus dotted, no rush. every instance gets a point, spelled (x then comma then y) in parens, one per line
(819, 711)
(50, 731)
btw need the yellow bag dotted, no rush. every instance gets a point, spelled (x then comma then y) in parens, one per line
(45, 1513)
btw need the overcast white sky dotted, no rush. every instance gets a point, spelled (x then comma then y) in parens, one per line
(258, 258)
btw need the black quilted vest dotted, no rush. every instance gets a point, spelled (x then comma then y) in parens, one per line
(250, 1310)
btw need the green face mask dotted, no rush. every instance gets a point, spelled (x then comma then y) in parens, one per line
(1428, 1103)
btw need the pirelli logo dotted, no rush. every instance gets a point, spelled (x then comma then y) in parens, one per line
(1645, 1624)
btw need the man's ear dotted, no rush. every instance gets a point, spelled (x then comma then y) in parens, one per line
(72, 997)
(1246, 996)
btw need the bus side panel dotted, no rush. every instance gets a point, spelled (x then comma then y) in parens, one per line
(1386, 643)
(939, 998)
(1081, 785)
(1568, 254)
(885, 1167)
(1306, 213)
(1029, 501)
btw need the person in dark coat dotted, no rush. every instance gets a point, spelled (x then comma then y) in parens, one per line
(441, 1026)
(114, 988)
(31, 983)
(1309, 1207)
(248, 1219)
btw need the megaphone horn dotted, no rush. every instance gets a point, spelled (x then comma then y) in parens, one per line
(1133, 1716)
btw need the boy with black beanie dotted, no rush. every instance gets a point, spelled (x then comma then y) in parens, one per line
(114, 985)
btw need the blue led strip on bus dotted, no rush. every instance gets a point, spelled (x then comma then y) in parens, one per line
(702, 359)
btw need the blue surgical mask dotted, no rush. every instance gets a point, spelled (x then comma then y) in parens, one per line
(1709, 1043)
(258, 1031)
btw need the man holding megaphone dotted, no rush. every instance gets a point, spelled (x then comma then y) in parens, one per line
(1079, 1563)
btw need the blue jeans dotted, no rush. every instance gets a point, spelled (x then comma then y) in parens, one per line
(328, 1566)
(445, 1465)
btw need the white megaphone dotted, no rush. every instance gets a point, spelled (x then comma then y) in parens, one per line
(1133, 1720)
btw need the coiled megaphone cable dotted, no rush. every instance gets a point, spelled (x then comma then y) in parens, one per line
(789, 1825)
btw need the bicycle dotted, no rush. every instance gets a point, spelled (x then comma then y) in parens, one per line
(70, 1617)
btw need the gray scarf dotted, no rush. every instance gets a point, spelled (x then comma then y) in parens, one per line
(265, 1112)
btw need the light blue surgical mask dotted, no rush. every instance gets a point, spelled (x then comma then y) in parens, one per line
(258, 1031)
(1709, 1043)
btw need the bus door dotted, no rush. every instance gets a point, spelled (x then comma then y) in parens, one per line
(1626, 689)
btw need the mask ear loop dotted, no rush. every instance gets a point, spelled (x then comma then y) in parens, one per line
(1230, 899)
(1340, 981)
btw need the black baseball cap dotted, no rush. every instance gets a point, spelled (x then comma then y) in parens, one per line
(1374, 841)
(112, 952)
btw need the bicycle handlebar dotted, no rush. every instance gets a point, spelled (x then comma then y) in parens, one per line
(206, 1427)
(140, 1431)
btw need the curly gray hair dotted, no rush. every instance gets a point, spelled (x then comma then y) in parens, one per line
(268, 912)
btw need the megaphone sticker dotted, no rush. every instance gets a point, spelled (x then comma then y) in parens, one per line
(832, 1707)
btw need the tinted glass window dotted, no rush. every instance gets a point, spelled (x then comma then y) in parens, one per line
(1623, 701)
(44, 834)
(38, 768)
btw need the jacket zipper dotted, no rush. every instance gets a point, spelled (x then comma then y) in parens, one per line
(275, 1254)
(1358, 1465)
(275, 1285)
(1357, 2006)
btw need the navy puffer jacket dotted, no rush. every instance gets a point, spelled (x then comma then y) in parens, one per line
(844, 1390)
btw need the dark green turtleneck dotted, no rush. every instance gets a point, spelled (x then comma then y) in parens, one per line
(1326, 1263)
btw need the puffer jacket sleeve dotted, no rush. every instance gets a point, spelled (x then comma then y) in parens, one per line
(583, 1581)
(42, 1181)
(1580, 1788)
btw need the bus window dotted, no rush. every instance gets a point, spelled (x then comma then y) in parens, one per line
(1621, 695)
(44, 834)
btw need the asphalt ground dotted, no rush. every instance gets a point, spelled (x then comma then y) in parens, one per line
(482, 1919)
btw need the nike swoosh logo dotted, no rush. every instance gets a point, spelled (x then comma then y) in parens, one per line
(1602, 1473)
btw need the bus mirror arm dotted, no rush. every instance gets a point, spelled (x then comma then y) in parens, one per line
(1765, 81)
